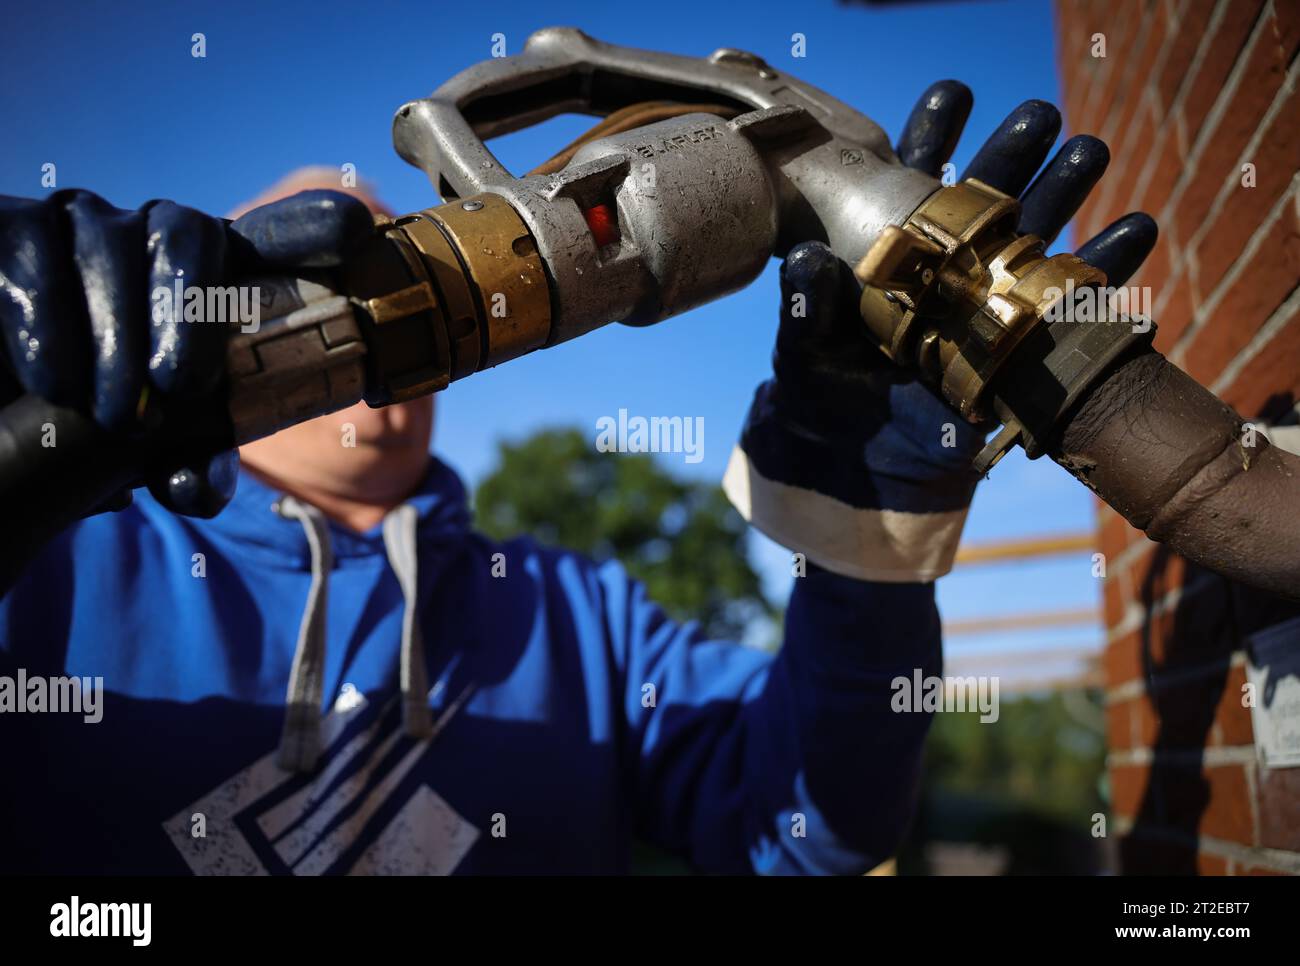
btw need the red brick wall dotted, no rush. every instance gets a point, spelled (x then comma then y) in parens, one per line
(1188, 92)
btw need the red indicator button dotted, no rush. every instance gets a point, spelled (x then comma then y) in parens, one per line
(603, 225)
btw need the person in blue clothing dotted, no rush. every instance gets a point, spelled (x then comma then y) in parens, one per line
(336, 674)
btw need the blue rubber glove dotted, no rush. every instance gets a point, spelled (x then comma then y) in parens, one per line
(845, 457)
(77, 324)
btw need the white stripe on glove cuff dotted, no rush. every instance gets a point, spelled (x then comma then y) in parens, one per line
(890, 546)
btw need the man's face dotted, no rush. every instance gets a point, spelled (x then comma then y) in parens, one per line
(350, 444)
(401, 427)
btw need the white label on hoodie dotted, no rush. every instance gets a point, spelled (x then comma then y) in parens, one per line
(425, 837)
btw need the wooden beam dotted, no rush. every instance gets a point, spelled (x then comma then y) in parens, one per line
(1052, 545)
(1076, 617)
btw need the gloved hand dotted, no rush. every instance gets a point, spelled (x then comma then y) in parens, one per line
(77, 320)
(844, 456)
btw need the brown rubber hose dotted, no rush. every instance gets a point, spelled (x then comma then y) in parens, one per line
(1181, 465)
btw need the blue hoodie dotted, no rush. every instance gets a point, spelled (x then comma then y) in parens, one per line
(281, 695)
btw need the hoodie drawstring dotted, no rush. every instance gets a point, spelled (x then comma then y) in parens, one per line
(300, 742)
(400, 543)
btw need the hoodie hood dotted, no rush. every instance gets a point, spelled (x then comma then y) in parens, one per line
(251, 520)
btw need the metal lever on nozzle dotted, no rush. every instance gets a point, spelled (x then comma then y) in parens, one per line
(701, 201)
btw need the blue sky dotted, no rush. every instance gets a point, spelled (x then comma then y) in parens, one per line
(112, 96)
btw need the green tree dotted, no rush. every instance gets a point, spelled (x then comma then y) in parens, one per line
(681, 538)
(1028, 785)
(1038, 755)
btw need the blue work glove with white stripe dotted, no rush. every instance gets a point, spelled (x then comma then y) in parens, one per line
(845, 457)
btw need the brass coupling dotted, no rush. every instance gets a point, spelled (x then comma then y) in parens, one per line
(447, 291)
(955, 290)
